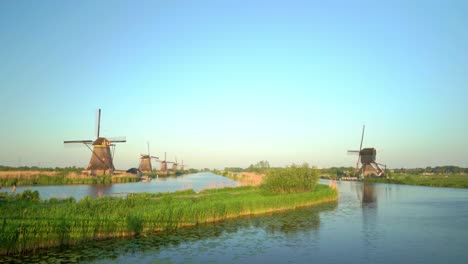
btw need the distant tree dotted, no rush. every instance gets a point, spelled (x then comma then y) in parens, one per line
(233, 169)
(259, 167)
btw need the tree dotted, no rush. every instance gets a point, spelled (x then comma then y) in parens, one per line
(259, 167)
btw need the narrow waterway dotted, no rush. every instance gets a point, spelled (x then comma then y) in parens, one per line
(371, 223)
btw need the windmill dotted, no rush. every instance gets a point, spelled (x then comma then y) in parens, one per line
(163, 168)
(182, 166)
(101, 161)
(174, 165)
(145, 163)
(367, 157)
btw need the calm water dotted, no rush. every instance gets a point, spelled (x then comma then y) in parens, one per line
(372, 223)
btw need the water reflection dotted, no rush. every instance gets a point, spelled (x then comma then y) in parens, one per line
(370, 231)
(99, 190)
(369, 197)
(235, 232)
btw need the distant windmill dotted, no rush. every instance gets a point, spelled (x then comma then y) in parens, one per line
(101, 161)
(145, 163)
(175, 165)
(164, 163)
(367, 156)
(182, 166)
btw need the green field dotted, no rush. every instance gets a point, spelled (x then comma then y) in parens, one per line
(448, 180)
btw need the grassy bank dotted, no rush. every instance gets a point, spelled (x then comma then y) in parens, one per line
(452, 180)
(27, 223)
(25, 178)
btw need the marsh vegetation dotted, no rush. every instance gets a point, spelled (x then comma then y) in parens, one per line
(29, 223)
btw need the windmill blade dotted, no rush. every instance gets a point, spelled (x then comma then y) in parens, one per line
(362, 137)
(154, 157)
(117, 139)
(98, 124)
(148, 148)
(78, 141)
(353, 152)
(360, 148)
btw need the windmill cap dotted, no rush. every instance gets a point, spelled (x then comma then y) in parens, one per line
(102, 141)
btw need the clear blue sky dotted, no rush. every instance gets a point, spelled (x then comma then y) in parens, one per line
(229, 83)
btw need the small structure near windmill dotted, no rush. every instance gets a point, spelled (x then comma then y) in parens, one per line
(102, 152)
(145, 162)
(367, 157)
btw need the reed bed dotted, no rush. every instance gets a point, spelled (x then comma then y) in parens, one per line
(25, 174)
(24, 178)
(247, 178)
(27, 224)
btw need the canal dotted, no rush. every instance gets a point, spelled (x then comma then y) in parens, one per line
(371, 223)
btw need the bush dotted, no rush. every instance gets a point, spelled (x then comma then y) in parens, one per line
(30, 195)
(292, 179)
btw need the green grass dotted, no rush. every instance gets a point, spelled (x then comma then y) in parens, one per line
(291, 179)
(62, 179)
(450, 180)
(27, 223)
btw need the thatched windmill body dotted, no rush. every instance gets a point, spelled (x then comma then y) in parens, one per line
(102, 152)
(175, 165)
(145, 162)
(163, 168)
(367, 157)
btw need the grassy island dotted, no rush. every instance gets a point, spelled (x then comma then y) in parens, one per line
(28, 223)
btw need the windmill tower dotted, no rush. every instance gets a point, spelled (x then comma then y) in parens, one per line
(102, 151)
(367, 157)
(163, 168)
(182, 166)
(175, 165)
(145, 163)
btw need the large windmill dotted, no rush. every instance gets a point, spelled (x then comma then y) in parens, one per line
(145, 163)
(367, 156)
(101, 161)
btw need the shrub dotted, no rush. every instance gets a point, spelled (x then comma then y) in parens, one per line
(30, 195)
(292, 179)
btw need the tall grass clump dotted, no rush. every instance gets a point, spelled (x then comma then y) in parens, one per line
(292, 179)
